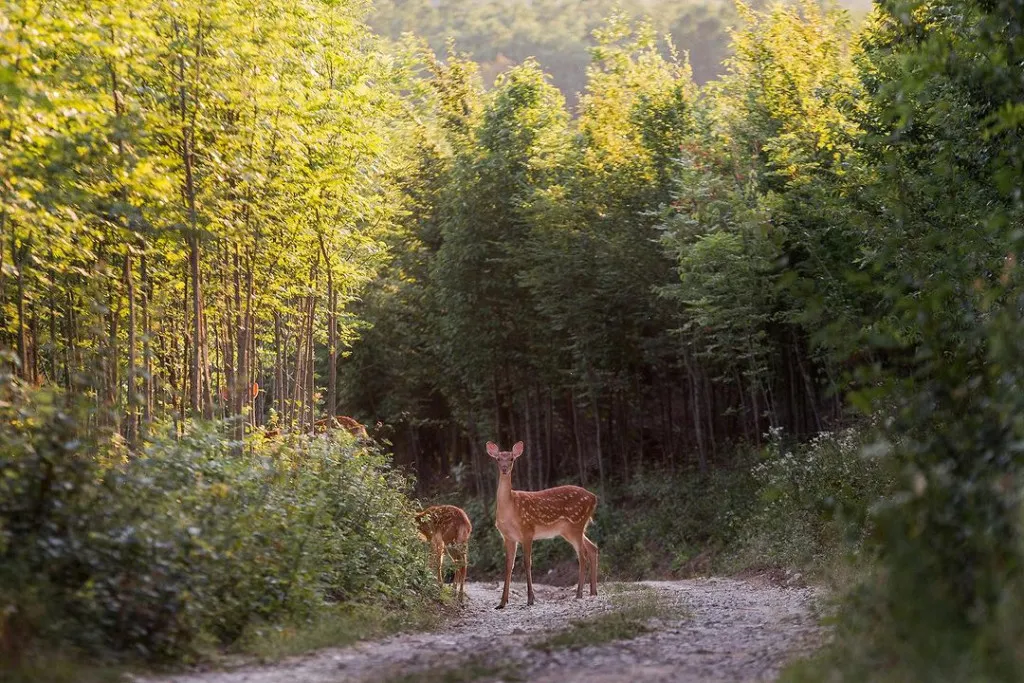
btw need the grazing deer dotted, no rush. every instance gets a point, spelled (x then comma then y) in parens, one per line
(341, 421)
(526, 516)
(447, 524)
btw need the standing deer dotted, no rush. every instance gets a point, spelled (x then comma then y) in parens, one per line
(447, 524)
(525, 516)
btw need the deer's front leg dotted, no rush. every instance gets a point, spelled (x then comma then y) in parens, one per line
(510, 560)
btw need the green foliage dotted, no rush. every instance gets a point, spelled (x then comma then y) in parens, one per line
(192, 538)
(813, 501)
(673, 525)
(520, 139)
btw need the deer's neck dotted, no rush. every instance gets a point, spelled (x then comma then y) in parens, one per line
(504, 490)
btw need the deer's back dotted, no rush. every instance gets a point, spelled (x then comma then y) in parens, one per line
(572, 504)
(451, 523)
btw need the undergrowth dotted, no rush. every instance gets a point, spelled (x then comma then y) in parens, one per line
(193, 542)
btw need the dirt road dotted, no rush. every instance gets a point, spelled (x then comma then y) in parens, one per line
(704, 630)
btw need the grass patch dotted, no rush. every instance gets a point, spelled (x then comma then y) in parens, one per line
(58, 667)
(341, 625)
(635, 605)
(474, 669)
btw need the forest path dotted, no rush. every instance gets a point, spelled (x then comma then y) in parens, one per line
(712, 629)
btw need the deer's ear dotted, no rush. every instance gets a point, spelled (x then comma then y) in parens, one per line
(492, 449)
(517, 450)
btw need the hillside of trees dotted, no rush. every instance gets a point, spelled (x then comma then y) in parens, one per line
(559, 34)
(222, 222)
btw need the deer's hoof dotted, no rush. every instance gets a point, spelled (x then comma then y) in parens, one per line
(529, 602)
(500, 606)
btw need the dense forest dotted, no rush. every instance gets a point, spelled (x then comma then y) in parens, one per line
(679, 247)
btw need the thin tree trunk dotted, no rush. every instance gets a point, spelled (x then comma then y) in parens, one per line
(195, 376)
(576, 434)
(643, 412)
(19, 264)
(70, 344)
(296, 408)
(812, 395)
(279, 369)
(332, 333)
(534, 434)
(131, 434)
(188, 116)
(597, 432)
(147, 344)
(240, 387)
(217, 389)
(311, 365)
(34, 346)
(671, 427)
(702, 457)
(710, 414)
(54, 352)
(112, 357)
(255, 369)
(547, 444)
(531, 462)
(186, 367)
(496, 398)
(205, 364)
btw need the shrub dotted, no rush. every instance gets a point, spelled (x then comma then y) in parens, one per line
(812, 499)
(193, 538)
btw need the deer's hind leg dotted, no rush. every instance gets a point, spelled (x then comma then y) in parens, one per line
(592, 557)
(581, 557)
(459, 552)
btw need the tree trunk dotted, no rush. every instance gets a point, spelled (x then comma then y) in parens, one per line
(131, 434)
(18, 261)
(186, 367)
(702, 456)
(710, 414)
(311, 364)
(70, 345)
(34, 345)
(279, 369)
(332, 334)
(54, 372)
(240, 390)
(576, 434)
(189, 191)
(547, 444)
(147, 345)
(597, 432)
(112, 357)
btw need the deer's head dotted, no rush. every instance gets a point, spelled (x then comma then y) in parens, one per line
(506, 459)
